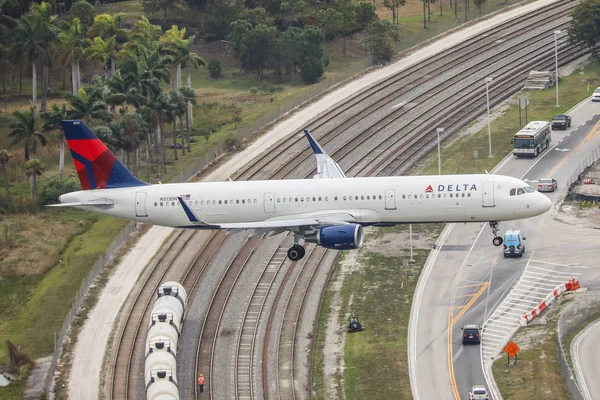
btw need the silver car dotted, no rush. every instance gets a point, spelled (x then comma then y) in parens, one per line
(596, 95)
(478, 392)
(547, 185)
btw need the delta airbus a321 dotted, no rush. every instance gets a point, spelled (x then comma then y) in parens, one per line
(329, 210)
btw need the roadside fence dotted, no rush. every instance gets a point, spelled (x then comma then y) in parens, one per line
(585, 305)
(587, 162)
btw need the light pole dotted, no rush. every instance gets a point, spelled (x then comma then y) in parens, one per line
(439, 130)
(487, 96)
(556, 34)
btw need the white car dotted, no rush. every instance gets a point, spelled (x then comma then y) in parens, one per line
(596, 94)
(478, 392)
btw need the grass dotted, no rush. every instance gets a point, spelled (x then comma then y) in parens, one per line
(40, 312)
(375, 359)
(538, 374)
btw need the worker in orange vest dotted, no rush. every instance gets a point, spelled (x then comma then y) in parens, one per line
(201, 383)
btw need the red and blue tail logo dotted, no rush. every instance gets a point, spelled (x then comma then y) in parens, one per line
(96, 165)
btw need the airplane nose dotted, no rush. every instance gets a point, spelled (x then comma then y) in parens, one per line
(542, 203)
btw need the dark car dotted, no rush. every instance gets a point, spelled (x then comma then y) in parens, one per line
(561, 121)
(471, 334)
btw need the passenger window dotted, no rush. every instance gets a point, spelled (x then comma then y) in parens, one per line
(155, 204)
(214, 202)
(421, 196)
(296, 199)
(243, 201)
(439, 195)
(225, 201)
(427, 195)
(219, 201)
(512, 191)
(278, 200)
(445, 195)
(290, 199)
(468, 194)
(379, 197)
(403, 196)
(284, 199)
(450, 195)
(463, 195)
(344, 197)
(410, 196)
(196, 202)
(326, 198)
(320, 199)
(254, 201)
(362, 197)
(237, 202)
(314, 199)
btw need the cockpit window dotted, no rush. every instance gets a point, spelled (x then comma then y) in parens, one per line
(520, 191)
(528, 189)
(513, 191)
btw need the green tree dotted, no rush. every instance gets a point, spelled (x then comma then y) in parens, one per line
(331, 22)
(256, 16)
(72, 44)
(347, 10)
(190, 98)
(479, 3)
(365, 13)
(5, 157)
(381, 37)
(32, 37)
(585, 25)
(290, 49)
(33, 169)
(392, 5)
(256, 49)
(85, 12)
(291, 6)
(178, 110)
(239, 29)
(25, 129)
(57, 186)
(152, 6)
(52, 120)
(87, 106)
(129, 132)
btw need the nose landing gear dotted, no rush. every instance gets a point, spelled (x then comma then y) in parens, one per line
(497, 241)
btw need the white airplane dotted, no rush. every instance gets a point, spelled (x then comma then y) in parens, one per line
(329, 210)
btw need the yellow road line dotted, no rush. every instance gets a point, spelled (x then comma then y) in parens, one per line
(470, 303)
(451, 359)
(590, 135)
(473, 285)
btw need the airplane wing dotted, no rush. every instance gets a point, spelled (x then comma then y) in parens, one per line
(298, 224)
(326, 167)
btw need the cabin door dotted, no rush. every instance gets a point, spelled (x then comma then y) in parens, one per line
(390, 199)
(140, 204)
(269, 202)
(488, 194)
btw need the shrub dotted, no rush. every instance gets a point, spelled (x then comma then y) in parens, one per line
(311, 70)
(57, 186)
(214, 68)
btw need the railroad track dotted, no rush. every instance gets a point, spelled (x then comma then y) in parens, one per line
(395, 143)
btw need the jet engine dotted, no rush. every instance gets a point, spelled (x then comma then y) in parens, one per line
(338, 237)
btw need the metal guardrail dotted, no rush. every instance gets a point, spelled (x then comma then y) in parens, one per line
(586, 305)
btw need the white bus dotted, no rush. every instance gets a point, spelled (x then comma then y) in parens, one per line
(532, 139)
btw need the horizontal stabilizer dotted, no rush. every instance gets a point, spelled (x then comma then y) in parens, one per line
(97, 202)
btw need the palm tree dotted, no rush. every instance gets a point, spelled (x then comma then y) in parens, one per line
(5, 156)
(52, 123)
(72, 44)
(87, 106)
(178, 108)
(25, 129)
(189, 96)
(33, 169)
(191, 59)
(161, 111)
(106, 51)
(32, 37)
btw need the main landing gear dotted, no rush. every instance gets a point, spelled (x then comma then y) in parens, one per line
(497, 239)
(296, 252)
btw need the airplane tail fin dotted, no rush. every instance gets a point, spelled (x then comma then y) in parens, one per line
(96, 165)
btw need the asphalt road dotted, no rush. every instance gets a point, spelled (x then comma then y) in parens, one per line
(471, 279)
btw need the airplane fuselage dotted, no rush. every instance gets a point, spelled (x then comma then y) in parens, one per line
(371, 200)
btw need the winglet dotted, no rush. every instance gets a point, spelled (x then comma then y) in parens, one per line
(188, 211)
(198, 223)
(313, 143)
